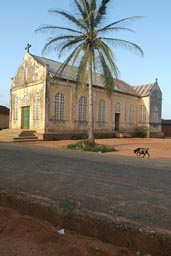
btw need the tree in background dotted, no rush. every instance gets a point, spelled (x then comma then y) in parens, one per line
(88, 46)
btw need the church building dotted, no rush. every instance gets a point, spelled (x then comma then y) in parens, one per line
(42, 101)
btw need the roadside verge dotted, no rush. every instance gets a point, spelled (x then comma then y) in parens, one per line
(119, 233)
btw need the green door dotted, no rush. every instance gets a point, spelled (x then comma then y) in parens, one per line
(25, 119)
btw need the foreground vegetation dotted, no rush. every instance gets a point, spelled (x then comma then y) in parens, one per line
(82, 145)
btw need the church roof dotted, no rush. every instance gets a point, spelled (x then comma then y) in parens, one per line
(144, 90)
(70, 73)
(53, 66)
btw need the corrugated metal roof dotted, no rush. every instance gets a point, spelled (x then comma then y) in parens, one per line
(144, 90)
(125, 87)
(70, 73)
(53, 66)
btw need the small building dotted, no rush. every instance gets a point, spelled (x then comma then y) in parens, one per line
(4, 117)
(47, 103)
(166, 127)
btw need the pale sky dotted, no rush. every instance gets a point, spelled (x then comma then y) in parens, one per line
(19, 19)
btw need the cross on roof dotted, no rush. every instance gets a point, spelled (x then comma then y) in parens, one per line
(27, 48)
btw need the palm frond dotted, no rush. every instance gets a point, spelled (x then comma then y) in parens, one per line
(92, 5)
(81, 10)
(122, 21)
(70, 44)
(108, 56)
(52, 43)
(115, 29)
(47, 28)
(65, 64)
(69, 17)
(102, 8)
(82, 72)
(124, 43)
(86, 6)
(101, 11)
(107, 75)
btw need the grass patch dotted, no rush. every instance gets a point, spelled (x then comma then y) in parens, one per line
(67, 205)
(96, 148)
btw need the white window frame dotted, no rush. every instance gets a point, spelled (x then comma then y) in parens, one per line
(15, 118)
(101, 111)
(82, 115)
(132, 114)
(36, 106)
(142, 114)
(59, 106)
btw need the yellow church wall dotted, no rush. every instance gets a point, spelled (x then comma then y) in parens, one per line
(125, 102)
(28, 83)
(144, 101)
(59, 125)
(25, 99)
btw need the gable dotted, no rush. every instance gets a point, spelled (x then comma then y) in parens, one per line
(156, 90)
(156, 97)
(30, 71)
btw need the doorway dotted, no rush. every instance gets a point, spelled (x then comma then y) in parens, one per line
(25, 117)
(117, 117)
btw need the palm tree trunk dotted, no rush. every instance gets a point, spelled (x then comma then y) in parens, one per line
(91, 140)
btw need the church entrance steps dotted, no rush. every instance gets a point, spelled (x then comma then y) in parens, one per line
(17, 135)
(26, 135)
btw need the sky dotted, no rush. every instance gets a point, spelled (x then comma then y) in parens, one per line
(19, 19)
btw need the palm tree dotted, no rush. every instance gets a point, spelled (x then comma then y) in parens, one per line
(88, 46)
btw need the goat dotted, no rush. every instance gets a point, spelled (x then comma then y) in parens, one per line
(141, 151)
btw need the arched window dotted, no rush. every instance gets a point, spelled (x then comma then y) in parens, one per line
(59, 106)
(132, 111)
(155, 115)
(25, 99)
(142, 114)
(16, 108)
(117, 107)
(82, 109)
(101, 113)
(36, 106)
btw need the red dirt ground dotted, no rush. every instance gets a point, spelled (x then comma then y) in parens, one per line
(24, 236)
(158, 148)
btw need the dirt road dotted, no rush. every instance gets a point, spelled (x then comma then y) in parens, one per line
(22, 235)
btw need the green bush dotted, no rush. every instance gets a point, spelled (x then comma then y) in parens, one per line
(77, 145)
(96, 148)
(140, 132)
(99, 148)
